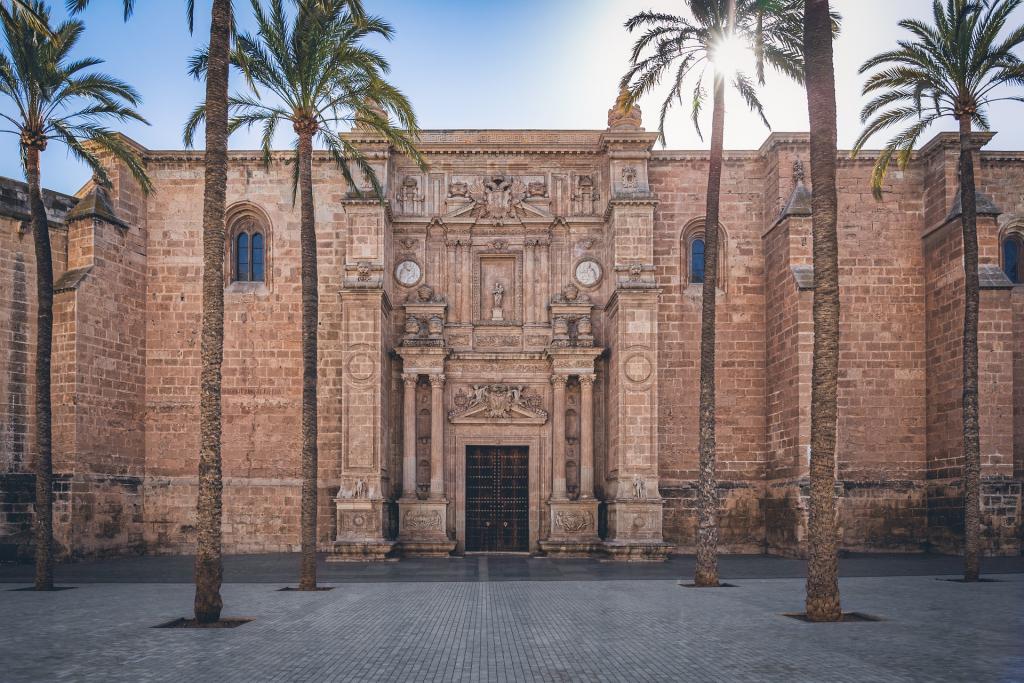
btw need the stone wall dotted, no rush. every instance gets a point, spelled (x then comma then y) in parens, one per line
(17, 359)
(126, 361)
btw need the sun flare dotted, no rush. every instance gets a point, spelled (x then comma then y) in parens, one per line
(730, 55)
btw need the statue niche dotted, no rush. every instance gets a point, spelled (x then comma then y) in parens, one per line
(497, 284)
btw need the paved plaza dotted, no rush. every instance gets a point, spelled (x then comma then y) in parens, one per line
(488, 620)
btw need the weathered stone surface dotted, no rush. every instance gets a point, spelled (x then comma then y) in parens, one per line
(471, 307)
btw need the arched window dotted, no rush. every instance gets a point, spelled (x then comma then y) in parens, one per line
(697, 261)
(1013, 255)
(692, 252)
(249, 255)
(242, 257)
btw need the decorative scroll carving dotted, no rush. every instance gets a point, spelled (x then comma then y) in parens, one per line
(422, 520)
(498, 402)
(573, 522)
(497, 341)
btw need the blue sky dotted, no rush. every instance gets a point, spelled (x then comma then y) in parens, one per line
(480, 64)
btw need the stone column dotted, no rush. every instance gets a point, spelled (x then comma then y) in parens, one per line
(466, 267)
(437, 436)
(528, 282)
(558, 438)
(586, 436)
(409, 436)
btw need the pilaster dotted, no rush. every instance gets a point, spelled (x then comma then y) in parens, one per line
(364, 493)
(631, 320)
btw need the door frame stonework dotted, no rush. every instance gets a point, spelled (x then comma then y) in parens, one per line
(522, 436)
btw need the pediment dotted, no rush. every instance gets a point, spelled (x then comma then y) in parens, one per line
(498, 200)
(490, 403)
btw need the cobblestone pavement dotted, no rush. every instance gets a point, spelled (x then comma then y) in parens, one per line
(598, 630)
(284, 567)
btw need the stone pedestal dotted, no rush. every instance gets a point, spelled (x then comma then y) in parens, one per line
(422, 529)
(360, 536)
(634, 531)
(573, 529)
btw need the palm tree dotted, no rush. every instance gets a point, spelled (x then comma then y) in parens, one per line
(955, 68)
(771, 31)
(60, 99)
(208, 563)
(822, 602)
(319, 75)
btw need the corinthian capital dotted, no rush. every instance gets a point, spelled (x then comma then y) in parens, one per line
(410, 378)
(437, 380)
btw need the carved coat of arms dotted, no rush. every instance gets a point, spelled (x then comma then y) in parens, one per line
(498, 197)
(497, 402)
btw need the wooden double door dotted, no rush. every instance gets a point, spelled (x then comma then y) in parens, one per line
(497, 499)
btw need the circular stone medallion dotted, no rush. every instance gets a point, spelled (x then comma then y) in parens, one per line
(588, 273)
(638, 368)
(408, 273)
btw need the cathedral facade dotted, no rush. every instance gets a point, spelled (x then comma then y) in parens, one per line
(509, 351)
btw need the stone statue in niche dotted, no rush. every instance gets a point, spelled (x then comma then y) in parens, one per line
(361, 490)
(639, 488)
(498, 297)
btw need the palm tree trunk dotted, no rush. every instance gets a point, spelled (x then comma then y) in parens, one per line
(706, 574)
(209, 567)
(972, 436)
(823, 565)
(310, 313)
(44, 345)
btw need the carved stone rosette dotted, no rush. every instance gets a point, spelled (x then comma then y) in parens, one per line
(422, 528)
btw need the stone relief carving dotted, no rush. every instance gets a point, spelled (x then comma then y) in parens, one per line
(573, 522)
(422, 520)
(409, 197)
(585, 197)
(458, 189)
(630, 179)
(497, 401)
(537, 189)
(498, 197)
(639, 488)
(361, 490)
